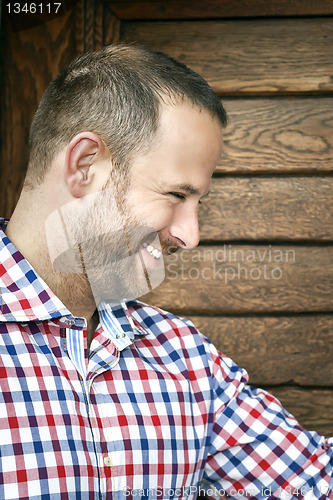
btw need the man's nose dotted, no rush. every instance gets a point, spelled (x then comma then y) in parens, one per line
(185, 226)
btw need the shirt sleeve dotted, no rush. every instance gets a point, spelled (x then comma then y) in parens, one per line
(258, 449)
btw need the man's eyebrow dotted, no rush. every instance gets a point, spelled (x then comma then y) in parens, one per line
(188, 188)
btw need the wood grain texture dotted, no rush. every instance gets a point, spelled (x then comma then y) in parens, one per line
(80, 26)
(275, 350)
(312, 408)
(248, 57)
(239, 279)
(285, 134)
(268, 208)
(93, 25)
(111, 27)
(197, 9)
(28, 67)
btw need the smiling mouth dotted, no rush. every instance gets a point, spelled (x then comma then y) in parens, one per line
(154, 252)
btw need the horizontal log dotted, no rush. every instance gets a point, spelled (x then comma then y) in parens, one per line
(248, 57)
(312, 408)
(275, 208)
(197, 9)
(275, 350)
(237, 279)
(278, 135)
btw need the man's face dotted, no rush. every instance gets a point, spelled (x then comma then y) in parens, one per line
(166, 184)
(117, 236)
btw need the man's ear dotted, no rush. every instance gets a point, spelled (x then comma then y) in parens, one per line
(83, 153)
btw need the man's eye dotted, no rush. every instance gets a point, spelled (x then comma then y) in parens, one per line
(179, 196)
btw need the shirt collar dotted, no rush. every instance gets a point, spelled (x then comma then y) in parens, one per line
(24, 296)
(117, 320)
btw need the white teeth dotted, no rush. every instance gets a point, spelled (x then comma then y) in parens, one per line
(152, 251)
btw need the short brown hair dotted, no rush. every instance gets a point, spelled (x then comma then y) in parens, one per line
(116, 93)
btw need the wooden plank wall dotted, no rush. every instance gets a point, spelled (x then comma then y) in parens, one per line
(260, 285)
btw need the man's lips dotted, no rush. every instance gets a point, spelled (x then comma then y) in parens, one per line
(157, 247)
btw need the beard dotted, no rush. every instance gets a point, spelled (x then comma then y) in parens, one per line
(99, 239)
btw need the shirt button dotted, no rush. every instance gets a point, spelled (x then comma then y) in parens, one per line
(70, 322)
(120, 335)
(107, 461)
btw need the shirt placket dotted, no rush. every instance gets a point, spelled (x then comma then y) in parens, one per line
(97, 364)
(102, 359)
(103, 458)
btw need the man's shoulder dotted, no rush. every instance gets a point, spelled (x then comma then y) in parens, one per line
(178, 338)
(172, 331)
(172, 340)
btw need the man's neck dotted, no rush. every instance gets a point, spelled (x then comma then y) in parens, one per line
(91, 328)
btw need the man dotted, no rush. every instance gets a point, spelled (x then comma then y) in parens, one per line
(105, 397)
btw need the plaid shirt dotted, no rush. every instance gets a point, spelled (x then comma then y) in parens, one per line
(152, 411)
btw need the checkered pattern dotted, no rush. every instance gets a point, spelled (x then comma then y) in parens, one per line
(153, 411)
